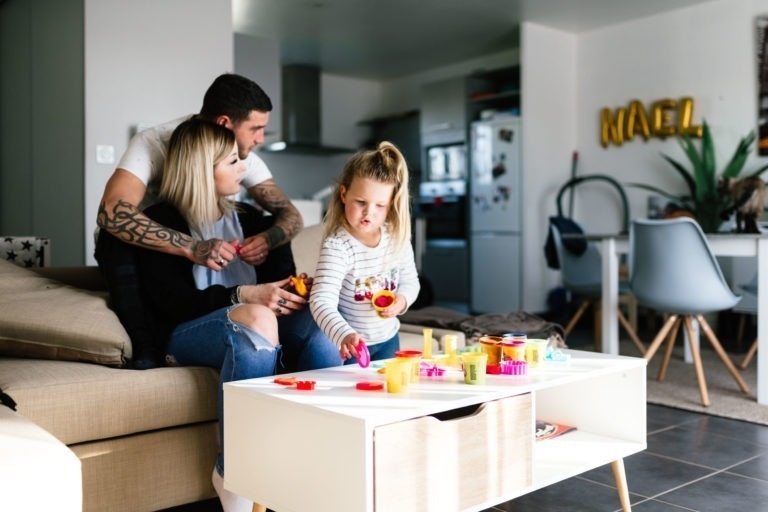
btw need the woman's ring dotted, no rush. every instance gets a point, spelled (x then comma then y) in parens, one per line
(279, 310)
(281, 302)
(221, 262)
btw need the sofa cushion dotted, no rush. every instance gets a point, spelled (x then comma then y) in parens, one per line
(79, 402)
(306, 248)
(43, 318)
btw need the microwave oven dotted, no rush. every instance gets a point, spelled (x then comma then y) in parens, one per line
(447, 162)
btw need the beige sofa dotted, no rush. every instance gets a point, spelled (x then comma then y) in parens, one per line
(146, 440)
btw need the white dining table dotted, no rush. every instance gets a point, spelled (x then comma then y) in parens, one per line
(722, 244)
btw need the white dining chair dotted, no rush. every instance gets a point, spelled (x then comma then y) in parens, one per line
(672, 270)
(582, 275)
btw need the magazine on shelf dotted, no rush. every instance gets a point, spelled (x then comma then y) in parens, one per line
(548, 430)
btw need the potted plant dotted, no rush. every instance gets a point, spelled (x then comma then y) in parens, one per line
(704, 198)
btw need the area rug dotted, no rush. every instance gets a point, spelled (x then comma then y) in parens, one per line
(680, 389)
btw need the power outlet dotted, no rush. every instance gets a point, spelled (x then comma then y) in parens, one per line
(105, 154)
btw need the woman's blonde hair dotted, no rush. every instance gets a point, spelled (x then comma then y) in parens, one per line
(195, 148)
(385, 164)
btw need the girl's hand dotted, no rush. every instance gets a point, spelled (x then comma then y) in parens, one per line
(275, 296)
(396, 308)
(349, 346)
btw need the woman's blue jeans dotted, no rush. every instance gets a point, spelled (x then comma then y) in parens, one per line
(238, 352)
(305, 346)
(235, 350)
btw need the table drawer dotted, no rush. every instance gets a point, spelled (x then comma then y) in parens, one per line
(429, 463)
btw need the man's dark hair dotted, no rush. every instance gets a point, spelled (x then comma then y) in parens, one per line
(234, 96)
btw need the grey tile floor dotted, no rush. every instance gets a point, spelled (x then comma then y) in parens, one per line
(694, 462)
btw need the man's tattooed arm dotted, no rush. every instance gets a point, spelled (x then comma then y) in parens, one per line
(130, 225)
(288, 220)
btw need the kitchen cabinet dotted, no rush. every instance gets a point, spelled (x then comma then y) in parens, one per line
(493, 92)
(443, 113)
(402, 130)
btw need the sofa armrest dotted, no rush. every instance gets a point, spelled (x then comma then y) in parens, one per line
(86, 277)
(437, 335)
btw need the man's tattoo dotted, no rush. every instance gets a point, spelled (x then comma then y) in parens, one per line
(206, 249)
(287, 218)
(275, 236)
(130, 225)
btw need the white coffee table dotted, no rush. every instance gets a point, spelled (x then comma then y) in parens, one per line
(340, 449)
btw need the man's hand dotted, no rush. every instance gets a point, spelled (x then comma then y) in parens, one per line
(214, 253)
(254, 250)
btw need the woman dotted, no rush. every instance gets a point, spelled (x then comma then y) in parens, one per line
(222, 319)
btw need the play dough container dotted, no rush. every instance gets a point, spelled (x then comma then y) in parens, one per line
(414, 356)
(398, 375)
(535, 350)
(382, 300)
(491, 345)
(474, 367)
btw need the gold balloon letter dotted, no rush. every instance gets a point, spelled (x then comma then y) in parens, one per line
(685, 115)
(662, 123)
(612, 129)
(637, 120)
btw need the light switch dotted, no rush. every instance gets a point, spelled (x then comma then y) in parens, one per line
(105, 154)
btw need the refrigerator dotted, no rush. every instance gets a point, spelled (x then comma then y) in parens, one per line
(495, 216)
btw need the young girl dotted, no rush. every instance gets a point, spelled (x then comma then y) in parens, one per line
(367, 248)
(229, 320)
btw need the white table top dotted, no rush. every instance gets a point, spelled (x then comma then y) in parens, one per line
(335, 391)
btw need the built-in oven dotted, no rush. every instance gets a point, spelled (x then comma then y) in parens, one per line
(442, 239)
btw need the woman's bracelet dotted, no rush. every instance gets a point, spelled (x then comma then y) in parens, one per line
(234, 297)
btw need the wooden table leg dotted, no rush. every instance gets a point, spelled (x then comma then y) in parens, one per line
(621, 484)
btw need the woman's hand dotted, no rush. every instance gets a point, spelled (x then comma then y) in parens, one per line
(396, 308)
(349, 346)
(275, 296)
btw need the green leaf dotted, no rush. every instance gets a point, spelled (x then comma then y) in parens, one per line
(706, 180)
(684, 173)
(739, 157)
(759, 171)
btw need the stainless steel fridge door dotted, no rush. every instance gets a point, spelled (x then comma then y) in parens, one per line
(496, 273)
(495, 176)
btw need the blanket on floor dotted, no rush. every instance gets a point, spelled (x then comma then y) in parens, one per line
(474, 326)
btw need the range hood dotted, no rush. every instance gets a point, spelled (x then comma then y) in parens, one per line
(301, 113)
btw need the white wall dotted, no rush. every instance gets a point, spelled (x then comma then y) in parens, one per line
(145, 62)
(706, 52)
(549, 98)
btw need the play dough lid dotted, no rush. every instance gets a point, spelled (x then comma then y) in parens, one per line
(370, 386)
(364, 357)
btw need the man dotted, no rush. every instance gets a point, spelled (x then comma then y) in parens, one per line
(243, 107)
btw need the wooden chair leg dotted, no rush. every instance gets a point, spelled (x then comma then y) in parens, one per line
(749, 356)
(668, 352)
(621, 484)
(632, 334)
(723, 356)
(659, 339)
(575, 318)
(697, 361)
